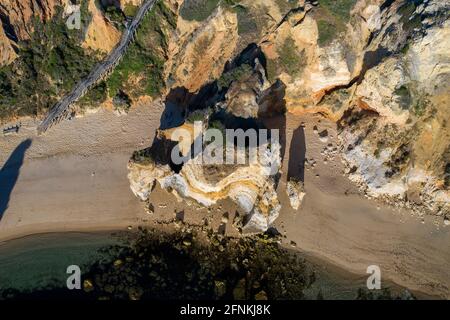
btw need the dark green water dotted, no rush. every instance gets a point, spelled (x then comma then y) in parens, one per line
(39, 260)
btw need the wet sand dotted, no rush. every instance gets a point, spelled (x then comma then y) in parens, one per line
(73, 178)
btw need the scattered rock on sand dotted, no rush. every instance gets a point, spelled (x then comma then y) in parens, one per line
(225, 218)
(295, 192)
(323, 136)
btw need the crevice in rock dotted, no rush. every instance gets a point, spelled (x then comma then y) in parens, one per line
(8, 27)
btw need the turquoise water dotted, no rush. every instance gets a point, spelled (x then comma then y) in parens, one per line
(40, 260)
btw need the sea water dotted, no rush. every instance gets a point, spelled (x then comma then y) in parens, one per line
(41, 260)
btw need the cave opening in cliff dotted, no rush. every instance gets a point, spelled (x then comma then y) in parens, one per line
(175, 167)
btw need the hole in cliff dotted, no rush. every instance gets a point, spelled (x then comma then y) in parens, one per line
(179, 103)
(248, 56)
(175, 167)
(8, 28)
(230, 121)
(353, 115)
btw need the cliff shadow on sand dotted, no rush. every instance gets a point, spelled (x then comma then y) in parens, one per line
(10, 172)
(297, 155)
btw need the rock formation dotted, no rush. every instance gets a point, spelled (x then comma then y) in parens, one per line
(203, 178)
(379, 69)
(295, 192)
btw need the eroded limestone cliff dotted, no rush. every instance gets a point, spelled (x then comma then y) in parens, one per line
(380, 69)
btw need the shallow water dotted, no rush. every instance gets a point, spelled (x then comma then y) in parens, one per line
(40, 260)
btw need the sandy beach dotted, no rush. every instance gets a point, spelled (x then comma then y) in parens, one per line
(74, 178)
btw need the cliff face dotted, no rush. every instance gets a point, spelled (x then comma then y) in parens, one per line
(380, 69)
(101, 34)
(16, 16)
(7, 52)
(42, 58)
(198, 51)
(16, 23)
(202, 177)
(250, 187)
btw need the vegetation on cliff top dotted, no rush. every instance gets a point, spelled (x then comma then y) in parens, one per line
(49, 65)
(331, 18)
(53, 61)
(339, 9)
(235, 74)
(141, 70)
(290, 60)
(197, 10)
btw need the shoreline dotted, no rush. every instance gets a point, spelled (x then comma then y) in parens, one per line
(5, 240)
(342, 282)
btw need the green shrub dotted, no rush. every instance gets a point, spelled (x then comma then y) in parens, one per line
(197, 10)
(332, 18)
(420, 106)
(327, 32)
(143, 60)
(130, 10)
(447, 175)
(115, 15)
(340, 9)
(406, 11)
(95, 96)
(197, 115)
(235, 74)
(286, 5)
(290, 58)
(404, 97)
(122, 102)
